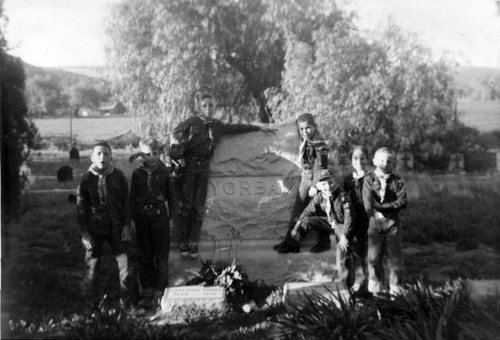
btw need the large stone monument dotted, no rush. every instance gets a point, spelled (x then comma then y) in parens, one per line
(253, 183)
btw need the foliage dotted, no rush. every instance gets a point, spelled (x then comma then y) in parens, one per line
(421, 312)
(56, 92)
(385, 90)
(18, 132)
(161, 52)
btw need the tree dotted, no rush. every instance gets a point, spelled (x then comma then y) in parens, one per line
(162, 51)
(382, 91)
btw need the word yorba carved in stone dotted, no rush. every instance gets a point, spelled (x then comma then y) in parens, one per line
(253, 183)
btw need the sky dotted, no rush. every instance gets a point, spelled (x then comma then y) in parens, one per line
(68, 33)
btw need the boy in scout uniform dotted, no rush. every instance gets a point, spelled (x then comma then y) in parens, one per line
(330, 210)
(384, 195)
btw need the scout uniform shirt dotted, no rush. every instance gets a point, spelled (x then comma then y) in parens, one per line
(385, 196)
(336, 208)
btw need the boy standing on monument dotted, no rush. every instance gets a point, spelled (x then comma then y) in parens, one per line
(102, 212)
(150, 192)
(384, 195)
(193, 144)
(330, 210)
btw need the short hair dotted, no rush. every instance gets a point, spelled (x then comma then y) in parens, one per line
(306, 117)
(382, 150)
(207, 95)
(103, 144)
(359, 148)
(151, 143)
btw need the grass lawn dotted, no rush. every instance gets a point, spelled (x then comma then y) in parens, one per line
(452, 229)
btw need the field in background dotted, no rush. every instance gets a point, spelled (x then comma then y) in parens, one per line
(87, 130)
(484, 116)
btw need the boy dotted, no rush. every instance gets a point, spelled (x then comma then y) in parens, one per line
(384, 194)
(193, 144)
(330, 209)
(102, 214)
(150, 190)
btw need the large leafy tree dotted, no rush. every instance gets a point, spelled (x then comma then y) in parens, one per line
(17, 131)
(385, 90)
(162, 51)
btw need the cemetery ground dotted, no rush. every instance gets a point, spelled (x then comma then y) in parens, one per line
(452, 231)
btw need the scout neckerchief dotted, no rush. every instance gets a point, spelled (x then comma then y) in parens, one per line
(101, 183)
(149, 171)
(383, 182)
(358, 174)
(308, 149)
(329, 211)
(209, 123)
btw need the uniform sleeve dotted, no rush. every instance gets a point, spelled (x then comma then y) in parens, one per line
(323, 154)
(368, 195)
(234, 129)
(83, 206)
(125, 200)
(398, 204)
(311, 208)
(173, 203)
(133, 207)
(348, 215)
(179, 140)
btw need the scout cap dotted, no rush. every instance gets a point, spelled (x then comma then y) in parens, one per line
(324, 175)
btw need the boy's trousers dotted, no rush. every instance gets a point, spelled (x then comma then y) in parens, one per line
(92, 261)
(350, 263)
(193, 191)
(384, 233)
(153, 246)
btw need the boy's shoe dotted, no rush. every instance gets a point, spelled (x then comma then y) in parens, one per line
(184, 250)
(193, 250)
(279, 245)
(320, 248)
(287, 247)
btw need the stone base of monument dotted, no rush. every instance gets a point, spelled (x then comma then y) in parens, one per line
(294, 293)
(480, 289)
(175, 300)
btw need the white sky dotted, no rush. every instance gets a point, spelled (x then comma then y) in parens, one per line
(52, 33)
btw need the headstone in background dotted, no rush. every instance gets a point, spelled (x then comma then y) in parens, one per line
(456, 162)
(65, 174)
(294, 293)
(74, 154)
(405, 161)
(207, 298)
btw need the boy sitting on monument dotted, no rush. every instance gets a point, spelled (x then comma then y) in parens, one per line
(193, 143)
(330, 210)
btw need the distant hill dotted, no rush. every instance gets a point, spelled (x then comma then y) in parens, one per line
(478, 83)
(67, 72)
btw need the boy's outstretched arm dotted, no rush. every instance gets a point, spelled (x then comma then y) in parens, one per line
(83, 215)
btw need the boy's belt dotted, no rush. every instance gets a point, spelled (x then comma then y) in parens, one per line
(151, 206)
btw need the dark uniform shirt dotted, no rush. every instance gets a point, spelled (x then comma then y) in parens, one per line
(354, 188)
(161, 189)
(394, 198)
(197, 138)
(103, 218)
(340, 209)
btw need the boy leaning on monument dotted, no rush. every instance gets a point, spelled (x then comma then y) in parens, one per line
(193, 143)
(102, 211)
(330, 210)
(151, 190)
(384, 195)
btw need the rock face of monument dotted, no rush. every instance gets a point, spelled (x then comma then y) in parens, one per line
(253, 183)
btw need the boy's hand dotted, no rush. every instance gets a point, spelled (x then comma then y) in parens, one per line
(343, 243)
(87, 241)
(313, 191)
(172, 223)
(295, 231)
(126, 236)
(132, 228)
(269, 130)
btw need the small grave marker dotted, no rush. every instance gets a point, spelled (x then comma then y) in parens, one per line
(204, 297)
(65, 174)
(456, 162)
(405, 160)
